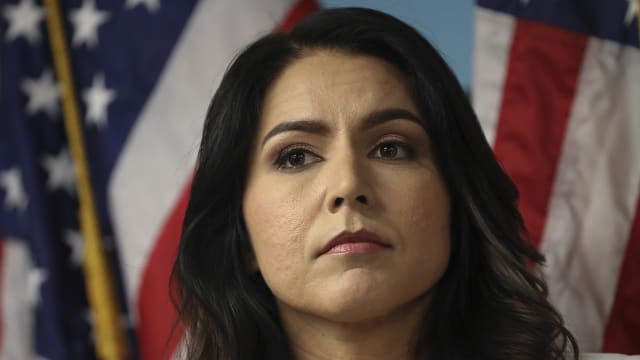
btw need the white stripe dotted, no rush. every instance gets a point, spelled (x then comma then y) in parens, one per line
(596, 187)
(17, 313)
(160, 153)
(493, 38)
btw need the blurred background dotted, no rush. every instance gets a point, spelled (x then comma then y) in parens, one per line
(101, 109)
(447, 24)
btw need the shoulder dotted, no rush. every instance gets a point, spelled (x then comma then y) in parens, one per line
(608, 357)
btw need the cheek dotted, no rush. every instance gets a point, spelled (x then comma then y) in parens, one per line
(428, 213)
(422, 214)
(421, 202)
(277, 227)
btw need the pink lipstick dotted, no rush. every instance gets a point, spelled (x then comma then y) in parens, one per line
(359, 242)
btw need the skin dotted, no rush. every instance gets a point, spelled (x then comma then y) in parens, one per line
(307, 185)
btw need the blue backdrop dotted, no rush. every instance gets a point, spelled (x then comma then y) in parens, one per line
(447, 24)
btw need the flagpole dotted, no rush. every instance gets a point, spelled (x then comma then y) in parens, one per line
(109, 337)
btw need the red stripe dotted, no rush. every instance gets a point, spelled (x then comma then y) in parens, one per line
(157, 315)
(622, 334)
(156, 312)
(544, 65)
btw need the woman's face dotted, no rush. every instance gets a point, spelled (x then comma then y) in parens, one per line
(340, 151)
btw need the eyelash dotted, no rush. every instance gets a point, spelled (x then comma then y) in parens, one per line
(410, 153)
(283, 154)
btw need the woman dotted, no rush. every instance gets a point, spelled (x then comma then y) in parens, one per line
(346, 205)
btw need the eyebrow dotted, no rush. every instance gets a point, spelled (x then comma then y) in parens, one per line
(316, 126)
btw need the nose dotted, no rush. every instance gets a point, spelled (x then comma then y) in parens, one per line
(348, 186)
(362, 199)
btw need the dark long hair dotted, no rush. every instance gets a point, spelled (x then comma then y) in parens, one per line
(489, 303)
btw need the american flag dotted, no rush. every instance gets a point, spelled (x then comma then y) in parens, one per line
(144, 72)
(557, 89)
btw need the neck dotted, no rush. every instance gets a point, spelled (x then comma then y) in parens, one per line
(392, 336)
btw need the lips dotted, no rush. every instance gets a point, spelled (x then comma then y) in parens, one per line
(361, 241)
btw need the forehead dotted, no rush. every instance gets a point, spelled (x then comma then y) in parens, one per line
(334, 85)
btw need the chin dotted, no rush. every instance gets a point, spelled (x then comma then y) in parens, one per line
(360, 300)
(357, 311)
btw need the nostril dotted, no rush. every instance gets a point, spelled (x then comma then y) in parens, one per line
(362, 199)
(338, 201)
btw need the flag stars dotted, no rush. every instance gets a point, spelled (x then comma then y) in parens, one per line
(43, 93)
(24, 20)
(60, 171)
(86, 21)
(97, 99)
(632, 12)
(35, 278)
(76, 243)
(15, 197)
(151, 5)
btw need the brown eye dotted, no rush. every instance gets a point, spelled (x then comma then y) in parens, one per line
(388, 150)
(295, 158)
(392, 150)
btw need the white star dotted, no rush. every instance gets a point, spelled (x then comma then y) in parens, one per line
(60, 171)
(632, 12)
(86, 21)
(152, 5)
(11, 181)
(35, 278)
(525, 2)
(76, 244)
(97, 98)
(44, 94)
(23, 21)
